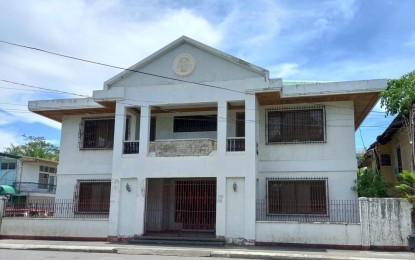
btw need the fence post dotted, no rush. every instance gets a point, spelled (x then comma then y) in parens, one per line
(3, 201)
(364, 222)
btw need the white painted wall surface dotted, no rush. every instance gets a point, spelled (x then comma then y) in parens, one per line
(77, 164)
(82, 228)
(308, 233)
(387, 221)
(235, 208)
(334, 159)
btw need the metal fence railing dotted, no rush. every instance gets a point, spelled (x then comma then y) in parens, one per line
(35, 187)
(55, 208)
(235, 144)
(341, 211)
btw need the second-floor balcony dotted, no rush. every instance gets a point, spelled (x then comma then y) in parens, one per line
(33, 187)
(185, 129)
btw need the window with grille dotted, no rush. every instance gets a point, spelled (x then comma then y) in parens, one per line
(93, 196)
(296, 125)
(398, 166)
(199, 123)
(96, 133)
(297, 196)
(385, 160)
(46, 177)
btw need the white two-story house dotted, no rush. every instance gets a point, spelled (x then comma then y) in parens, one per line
(194, 140)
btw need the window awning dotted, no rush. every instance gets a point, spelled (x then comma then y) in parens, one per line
(7, 190)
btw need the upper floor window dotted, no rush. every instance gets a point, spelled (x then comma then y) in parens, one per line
(8, 166)
(385, 160)
(199, 123)
(296, 125)
(96, 133)
(46, 177)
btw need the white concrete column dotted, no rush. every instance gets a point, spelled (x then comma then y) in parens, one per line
(145, 116)
(364, 222)
(222, 127)
(220, 206)
(141, 202)
(116, 173)
(119, 131)
(251, 140)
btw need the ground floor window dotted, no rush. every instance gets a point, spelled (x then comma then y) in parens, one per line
(296, 196)
(93, 196)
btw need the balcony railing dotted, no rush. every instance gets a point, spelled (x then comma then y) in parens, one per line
(131, 147)
(183, 147)
(35, 187)
(235, 144)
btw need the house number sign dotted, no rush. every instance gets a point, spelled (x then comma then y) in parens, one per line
(183, 64)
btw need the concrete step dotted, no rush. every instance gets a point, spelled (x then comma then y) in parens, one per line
(188, 241)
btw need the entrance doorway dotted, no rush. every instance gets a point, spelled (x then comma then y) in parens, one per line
(181, 207)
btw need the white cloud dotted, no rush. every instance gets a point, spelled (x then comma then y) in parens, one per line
(8, 138)
(411, 40)
(284, 70)
(108, 32)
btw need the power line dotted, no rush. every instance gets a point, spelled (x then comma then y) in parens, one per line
(165, 110)
(121, 68)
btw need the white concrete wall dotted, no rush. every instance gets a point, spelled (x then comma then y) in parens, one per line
(77, 164)
(334, 159)
(208, 68)
(386, 222)
(164, 127)
(308, 233)
(46, 227)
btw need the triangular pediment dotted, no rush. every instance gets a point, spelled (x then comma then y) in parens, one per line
(186, 60)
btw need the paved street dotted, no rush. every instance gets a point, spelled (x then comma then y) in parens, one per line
(37, 255)
(49, 249)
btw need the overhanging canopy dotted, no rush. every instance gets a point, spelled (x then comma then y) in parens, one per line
(7, 190)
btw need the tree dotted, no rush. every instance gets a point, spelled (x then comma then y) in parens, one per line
(399, 94)
(35, 147)
(371, 184)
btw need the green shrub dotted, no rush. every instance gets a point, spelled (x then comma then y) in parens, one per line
(407, 185)
(371, 184)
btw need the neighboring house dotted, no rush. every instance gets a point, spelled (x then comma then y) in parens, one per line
(31, 178)
(391, 153)
(201, 153)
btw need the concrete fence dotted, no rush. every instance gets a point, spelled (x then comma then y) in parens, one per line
(385, 223)
(52, 228)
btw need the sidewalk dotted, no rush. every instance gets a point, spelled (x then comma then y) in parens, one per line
(223, 252)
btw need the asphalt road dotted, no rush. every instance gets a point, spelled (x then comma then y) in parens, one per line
(37, 255)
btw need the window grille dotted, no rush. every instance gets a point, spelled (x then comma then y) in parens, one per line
(297, 196)
(96, 133)
(296, 125)
(199, 123)
(92, 196)
(398, 160)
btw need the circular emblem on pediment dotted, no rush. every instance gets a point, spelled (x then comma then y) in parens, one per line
(183, 64)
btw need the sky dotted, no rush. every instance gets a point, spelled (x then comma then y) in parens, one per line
(326, 40)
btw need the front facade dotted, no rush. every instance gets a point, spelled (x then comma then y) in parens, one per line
(192, 140)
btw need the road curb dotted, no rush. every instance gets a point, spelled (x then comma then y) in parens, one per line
(87, 249)
(184, 252)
